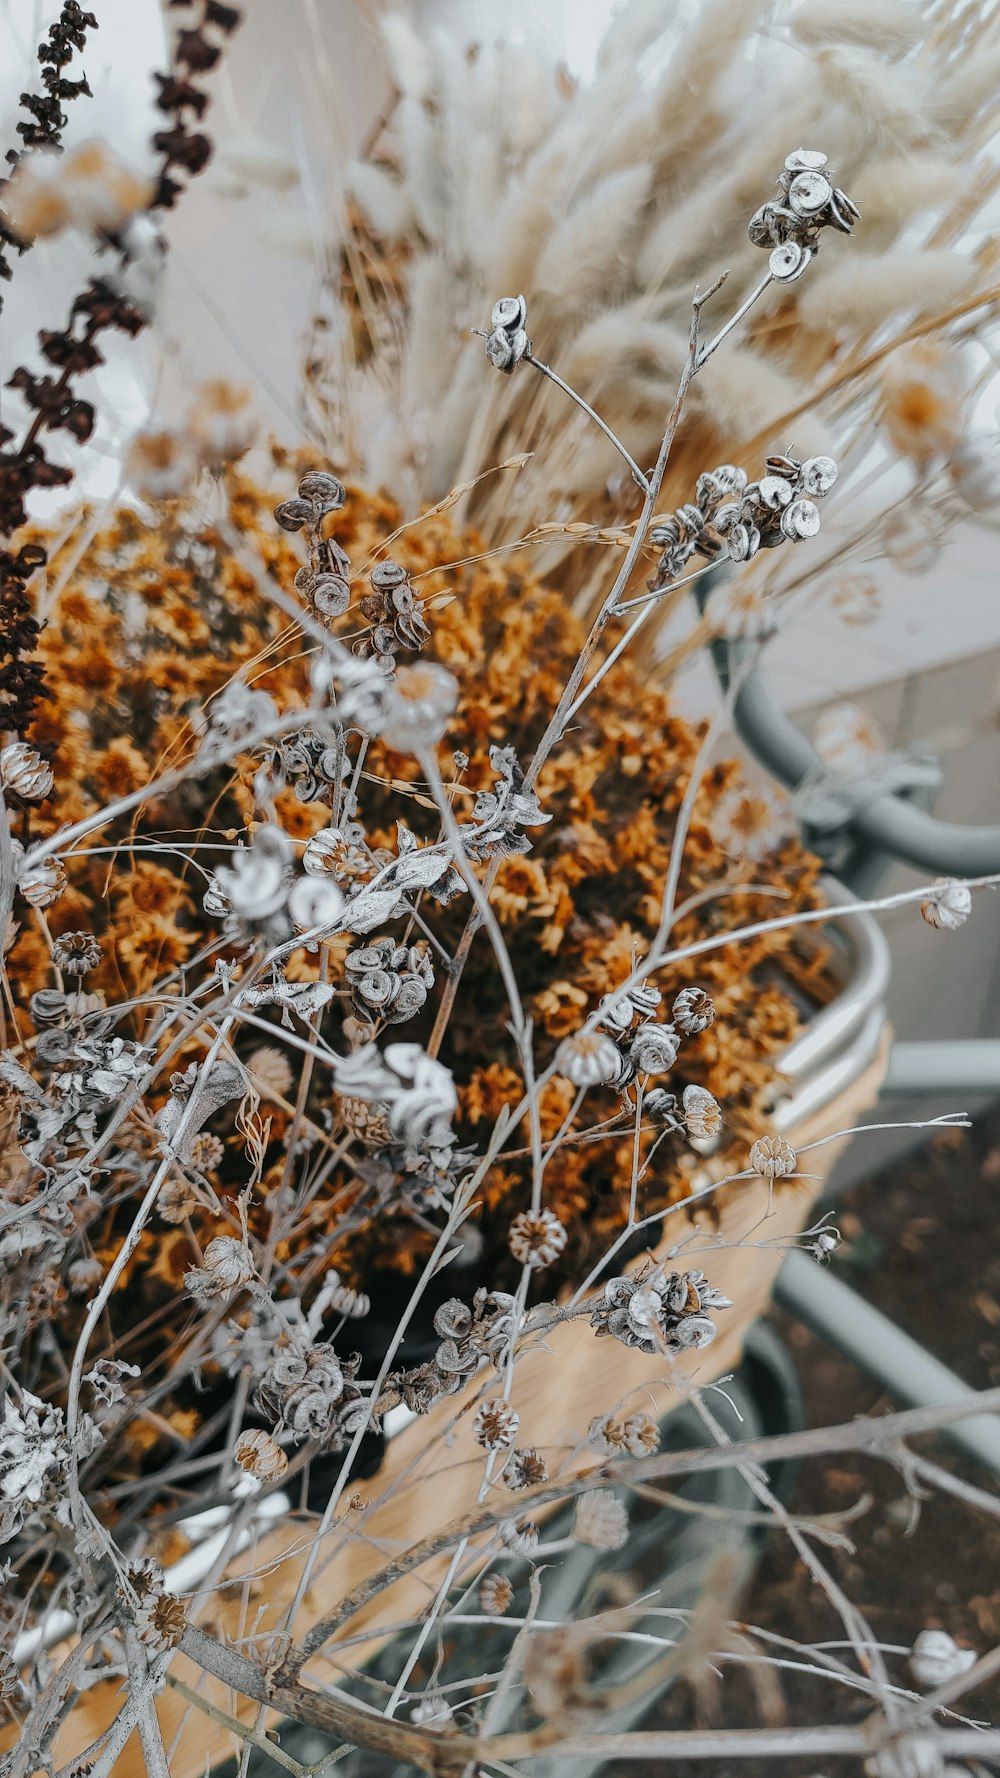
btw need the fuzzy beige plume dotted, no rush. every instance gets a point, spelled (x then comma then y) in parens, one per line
(408, 57)
(890, 26)
(743, 393)
(384, 199)
(963, 91)
(715, 36)
(897, 186)
(585, 252)
(860, 293)
(623, 346)
(889, 101)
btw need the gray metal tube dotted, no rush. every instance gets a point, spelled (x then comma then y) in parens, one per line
(907, 832)
(949, 1065)
(814, 1295)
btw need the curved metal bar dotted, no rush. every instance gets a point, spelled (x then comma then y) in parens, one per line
(889, 823)
(864, 987)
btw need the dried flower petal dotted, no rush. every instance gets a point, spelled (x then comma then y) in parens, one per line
(948, 904)
(536, 1240)
(772, 1157)
(601, 1520)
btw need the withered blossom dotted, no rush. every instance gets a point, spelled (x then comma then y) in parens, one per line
(496, 1424)
(772, 1157)
(76, 953)
(259, 1455)
(657, 1311)
(693, 1011)
(25, 772)
(590, 1059)
(936, 1657)
(948, 905)
(789, 230)
(536, 1239)
(507, 343)
(229, 1264)
(524, 1469)
(496, 1595)
(421, 699)
(702, 1114)
(600, 1519)
(519, 1536)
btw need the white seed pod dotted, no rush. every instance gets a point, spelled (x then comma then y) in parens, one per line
(818, 475)
(789, 261)
(260, 1455)
(509, 312)
(936, 1657)
(653, 1049)
(805, 160)
(519, 1535)
(589, 1059)
(809, 192)
(800, 519)
(693, 1011)
(314, 903)
(536, 1240)
(617, 1011)
(330, 595)
(774, 492)
(25, 772)
(772, 1157)
(496, 1425)
(40, 883)
(975, 471)
(948, 905)
(702, 1115)
(495, 1595)
(600, 1520)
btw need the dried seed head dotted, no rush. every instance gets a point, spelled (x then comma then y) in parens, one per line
(161, 1621)
(260, 1455)
(910, 540)
(948, 905)
(520, 1536)
(693, 1011)
(536, 1240)
(496, 1425)
(495, 1595)
(508, 342)
(702, 1116)
(207, 1152)
(228, 1265)
(600, 1520)
(653, 1049)
(84, 1275)
(523, 1469)
(590, 1058)
(936, 1657)
(422, 698)
(25, 772)
(176, 1200)
(270, 1071)
(772, 1157)
(76, 953)
(41, 882)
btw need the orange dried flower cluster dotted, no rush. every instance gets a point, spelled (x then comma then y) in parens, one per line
(154, 620)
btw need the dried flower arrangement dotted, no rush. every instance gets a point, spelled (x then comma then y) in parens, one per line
(288, 767)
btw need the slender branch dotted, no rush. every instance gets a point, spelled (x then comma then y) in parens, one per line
(592, 414)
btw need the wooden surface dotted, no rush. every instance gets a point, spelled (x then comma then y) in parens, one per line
(433, 1468)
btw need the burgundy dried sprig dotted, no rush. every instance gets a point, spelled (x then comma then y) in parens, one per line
(73, 351)
(48, 120)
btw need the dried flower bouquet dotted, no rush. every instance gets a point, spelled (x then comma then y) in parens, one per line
(285, 770)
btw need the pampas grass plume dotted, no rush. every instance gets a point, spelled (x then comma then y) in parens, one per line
(384, 199)
(585, 251)
(873, 286)
(889, 102)
(889, 26)
(409, 60)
